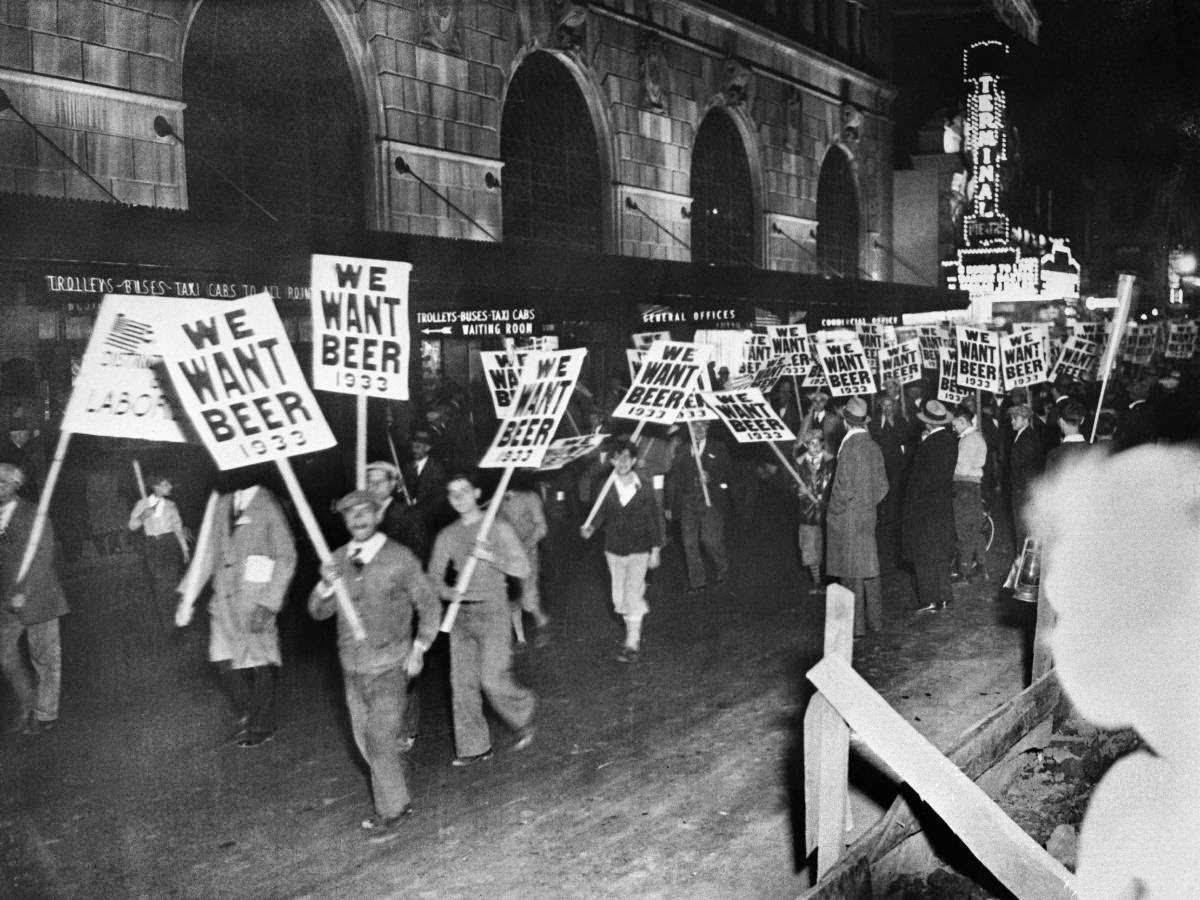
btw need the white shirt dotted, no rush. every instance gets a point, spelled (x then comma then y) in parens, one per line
(368, 548)
(6, 514)
(625, 491)
(1074, 439)
(241, 499)
(419, 465)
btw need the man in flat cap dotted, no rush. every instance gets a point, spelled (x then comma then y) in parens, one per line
(387, 587)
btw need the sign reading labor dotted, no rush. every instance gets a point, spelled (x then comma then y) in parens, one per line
(1181, 340)
(502, 371)
(670, 371)
(238, 379)
(932, 338)
(360, 326)
(643, 340)
(748, 416)
(543, 392)
(900, 363)
(978, 363)
(564, 451)
(1023, 358)
(116, 392)
(948, 390)
(1077, 359)
(845, 365)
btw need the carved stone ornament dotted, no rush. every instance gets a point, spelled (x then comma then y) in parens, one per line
(852, 123)
(652, 67)
(441, 25)
(737, 83)
(570, 32)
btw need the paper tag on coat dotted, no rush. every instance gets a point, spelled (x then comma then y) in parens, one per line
(259, 569)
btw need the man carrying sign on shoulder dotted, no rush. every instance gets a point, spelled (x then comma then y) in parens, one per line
(481, 640)
(387, 587)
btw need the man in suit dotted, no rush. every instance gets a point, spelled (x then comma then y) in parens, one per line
(1071, 416)
(388, 589)
(30, 607)
(701, 524)
(425, 478)
(251, 557)
(927, 523)
(821, 418)
(20, 445)
(1025, 461)
(859, 483)
(399, 521)
(1135, 423)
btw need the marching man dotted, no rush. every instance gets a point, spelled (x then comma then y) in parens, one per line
(387, 586)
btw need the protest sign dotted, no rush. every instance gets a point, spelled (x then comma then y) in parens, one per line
(643, 340)
(874, 336)
(757, 351)
(545, 343)
(694, 408)
(1181, 340)
(900, 363)
(360, 326)
(239, 382)
(1023, 358)
(785, 339)
(1139, 346)
(543, 392)
(566, 450)
(116, 393)
(634, 358)
(670, 371)
(502, 371)
(1077, 359)
(932, 338)
(769, 373)
(845, 365)
(948, 390)
(748, 416)
(1091, 331)
(977, 366)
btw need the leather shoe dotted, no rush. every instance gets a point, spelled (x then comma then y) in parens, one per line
(461, 762)
(524, 738)
(40, 726)
(378, 823)
(252, 740)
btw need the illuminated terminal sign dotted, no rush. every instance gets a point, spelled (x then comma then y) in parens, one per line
(477, 322)
(984, 63)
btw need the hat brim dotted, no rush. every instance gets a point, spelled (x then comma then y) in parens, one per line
(930, 420)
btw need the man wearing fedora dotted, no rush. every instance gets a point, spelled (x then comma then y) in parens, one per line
(859, 483)
(927, 522)
(425, 479)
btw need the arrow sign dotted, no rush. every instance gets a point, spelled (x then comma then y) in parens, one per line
(446, 330)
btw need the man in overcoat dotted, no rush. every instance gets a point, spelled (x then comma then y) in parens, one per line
(859, 484)
(1025, 461)
(31, 608)
(251, 558)
(927, 523)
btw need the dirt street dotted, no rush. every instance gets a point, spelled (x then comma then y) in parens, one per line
(678, 776)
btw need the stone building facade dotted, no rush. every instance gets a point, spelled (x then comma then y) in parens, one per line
(430, 80)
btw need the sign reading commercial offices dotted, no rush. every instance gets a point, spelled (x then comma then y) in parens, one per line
(238, 379)
(116, 393)
(360, 326)
(545, 389)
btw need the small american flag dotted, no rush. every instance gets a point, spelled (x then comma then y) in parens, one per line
(128, 334)
(764, 317)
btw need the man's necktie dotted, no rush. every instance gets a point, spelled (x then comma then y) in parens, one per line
(356, 559)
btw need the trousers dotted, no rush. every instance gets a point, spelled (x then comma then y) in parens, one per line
(968, 513)
(253, 693)
(481, 666)
(37, 692)
(705, 528)
(868, 604)
(629, 583)
(376, 702)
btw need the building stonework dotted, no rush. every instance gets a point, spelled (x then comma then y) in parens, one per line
(93, 75)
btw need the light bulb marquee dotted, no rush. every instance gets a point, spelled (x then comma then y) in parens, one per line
(985, 138)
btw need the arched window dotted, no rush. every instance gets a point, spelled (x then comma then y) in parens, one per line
(722, 194)
(552, 191)
(271, 106)
(837, 217)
